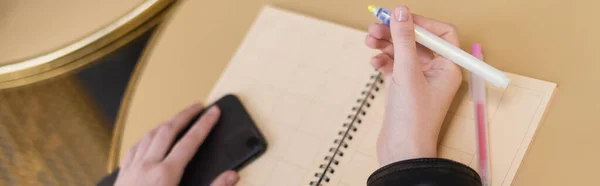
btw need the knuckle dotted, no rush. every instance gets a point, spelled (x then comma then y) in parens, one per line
(145, 164)
(405, 33)
(372, 27)
(378, 34)
(163, 170)
(171, 167)
(458, 72)
(131, 152)
(403, 43)
(452, 27)
(148, 137)
(389, 50)
(376, 60)
(152, 132)
(168, 128)
(368, 41)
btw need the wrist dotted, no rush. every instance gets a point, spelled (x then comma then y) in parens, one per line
(410, 147)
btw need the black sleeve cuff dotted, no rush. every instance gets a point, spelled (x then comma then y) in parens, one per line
(425, 172)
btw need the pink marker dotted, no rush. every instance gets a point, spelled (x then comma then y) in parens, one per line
(477, 87)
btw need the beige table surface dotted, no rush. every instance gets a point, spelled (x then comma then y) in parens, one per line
(546, 39)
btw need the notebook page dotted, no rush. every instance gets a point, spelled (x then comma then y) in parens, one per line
(298, 77)
(514, 114)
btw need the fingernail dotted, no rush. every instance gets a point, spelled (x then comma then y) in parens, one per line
(214, 110)
(401, 13)
(231, 179)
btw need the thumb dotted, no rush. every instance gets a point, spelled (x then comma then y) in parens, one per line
(227, 178)
(403, 37)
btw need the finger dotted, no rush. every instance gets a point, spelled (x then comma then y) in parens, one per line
(144, 145)
(405, 65)
(380, 31)
(446, 31)
(383, 63)
(185, 148)
(129, 156)
(166, 133)
(381, 34)
(227, 178)
(380, 44)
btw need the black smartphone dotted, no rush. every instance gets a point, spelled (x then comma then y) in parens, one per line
(233, 143)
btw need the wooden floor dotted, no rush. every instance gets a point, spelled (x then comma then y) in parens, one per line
(51, 134)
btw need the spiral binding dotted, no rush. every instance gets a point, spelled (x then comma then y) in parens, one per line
(349, 128)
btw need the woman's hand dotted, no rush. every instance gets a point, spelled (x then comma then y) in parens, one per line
(148, 163)
(421, 86)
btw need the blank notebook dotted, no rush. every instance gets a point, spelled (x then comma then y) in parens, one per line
(309, 87)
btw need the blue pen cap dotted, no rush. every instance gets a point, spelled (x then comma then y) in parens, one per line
(383, 15)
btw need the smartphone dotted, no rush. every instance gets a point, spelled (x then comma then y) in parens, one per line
(233, 142)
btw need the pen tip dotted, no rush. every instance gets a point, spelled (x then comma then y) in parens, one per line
(372, 8)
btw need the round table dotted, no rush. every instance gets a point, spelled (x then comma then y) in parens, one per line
(44, 39)
(550, 40)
